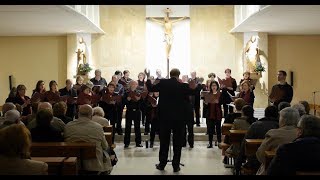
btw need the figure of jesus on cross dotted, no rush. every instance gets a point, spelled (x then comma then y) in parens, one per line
(167, 24)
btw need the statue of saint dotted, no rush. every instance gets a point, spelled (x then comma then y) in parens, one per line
(167, 24)
(252, 53)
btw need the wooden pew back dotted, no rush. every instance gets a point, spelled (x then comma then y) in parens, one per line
(236, 136)
(251, 146)
(60, 165)
(225, 129)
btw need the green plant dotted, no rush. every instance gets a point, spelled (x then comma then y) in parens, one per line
(84, 68)
(260, 68)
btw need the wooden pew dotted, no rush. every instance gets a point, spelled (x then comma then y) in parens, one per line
(60, 165)
(108, 128)
(269, 155)
(108, 136)
(225, 129)
(236, 136)
(251, 146)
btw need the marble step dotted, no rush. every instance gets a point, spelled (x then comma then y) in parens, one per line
(202, 129)
(197, 137)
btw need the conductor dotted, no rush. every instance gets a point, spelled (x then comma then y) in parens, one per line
(171, 116)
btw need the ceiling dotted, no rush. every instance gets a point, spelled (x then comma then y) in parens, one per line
(284, 19)
(43, 20)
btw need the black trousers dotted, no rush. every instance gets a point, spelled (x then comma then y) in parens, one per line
(154, 128)
(197, 112)
(148, 120)
(214, 125)
(143, 113)
(71, 110)
(134, 116)
(177, 137)
(119, 119)
(227, 110)
(190, 137)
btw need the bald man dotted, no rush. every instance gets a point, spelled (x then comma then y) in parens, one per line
(72, 93)
(56, 123)
(11, 117)
(84, 129)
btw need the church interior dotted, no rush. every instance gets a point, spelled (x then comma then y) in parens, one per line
(76, 89)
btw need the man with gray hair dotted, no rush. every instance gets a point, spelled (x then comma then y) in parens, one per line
(84, 129)
(11, 117)
(286, 133)
(300, 108)
(98, 80)
(98, 116)
(56, 122)
(301, 155)
(5, 108)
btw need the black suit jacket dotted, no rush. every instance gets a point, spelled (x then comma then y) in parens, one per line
(172, 100)
(300, 155)
(64, 92)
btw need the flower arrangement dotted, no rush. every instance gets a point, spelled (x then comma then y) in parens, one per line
(259, 68)
(84, 69)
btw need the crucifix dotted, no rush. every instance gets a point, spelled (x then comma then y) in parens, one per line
(168, 35)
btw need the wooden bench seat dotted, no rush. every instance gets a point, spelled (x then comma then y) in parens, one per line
(225, 129)
(60, 165)
(236, 136)
(251, 146)
(269, 155)
(108, 128)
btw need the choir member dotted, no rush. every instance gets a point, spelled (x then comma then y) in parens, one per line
(142, 88)
(23, 100)
(125, 80)
(214, 114)
(228, 84)
(52, 96)
(154, 118)
(132, 100)
(98, 80)
(39, 87)
(96, 94)
(119, 90)
(85, 96)
(211, 76)
(195, 99)
(158, 73)
(109, 105)
(246, 76)
(281, 91)
(246, 93)
(79, 83)
(12, 95)
(148, 104)
(71, 93)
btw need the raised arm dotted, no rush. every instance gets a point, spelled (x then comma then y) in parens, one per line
(156, 20)
(180, 19)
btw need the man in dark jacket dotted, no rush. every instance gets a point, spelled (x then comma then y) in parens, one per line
(71, 102)
(171, 116)
(281, 92)
(302, 155)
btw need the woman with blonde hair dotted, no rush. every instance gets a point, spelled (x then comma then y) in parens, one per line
(15, 143)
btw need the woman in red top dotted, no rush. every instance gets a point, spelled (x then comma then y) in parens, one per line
(247, 93)
(52, 96)
(214, 114)
(84, 96)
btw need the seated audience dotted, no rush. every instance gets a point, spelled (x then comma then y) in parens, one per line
(242, 123)
(238, 103)
(283, 105)
(32, 116)
(5, 108)
(303, 153)
(84, 129)
(11, 117)
(306, 106)
(60, 110)
(15, 143)
(44, 132)
(98, 116)
(300, 109)
(12, 95)
(257, 131)
(286, 133)
(56, 122)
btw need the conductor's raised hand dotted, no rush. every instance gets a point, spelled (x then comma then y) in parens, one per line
(147, 72)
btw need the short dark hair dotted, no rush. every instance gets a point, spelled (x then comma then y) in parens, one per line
(239, 103)
(44, 118)
(306, 106)
(51, 83)
(84, 87)
(248, 111)
(118, 72)
(271, 111)
(211, 75)
(227, 70)
(283, 72)
(174, 72)
(111, 84)
(283, 105)
(125, 72)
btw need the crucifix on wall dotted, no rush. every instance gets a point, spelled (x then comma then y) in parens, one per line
(167, 23)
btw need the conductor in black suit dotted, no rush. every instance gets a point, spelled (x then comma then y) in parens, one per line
(171, 107)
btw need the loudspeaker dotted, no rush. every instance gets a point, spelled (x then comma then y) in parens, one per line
(10, 82)
(291, 79)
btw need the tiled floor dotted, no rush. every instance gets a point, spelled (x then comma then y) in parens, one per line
(141, 161)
